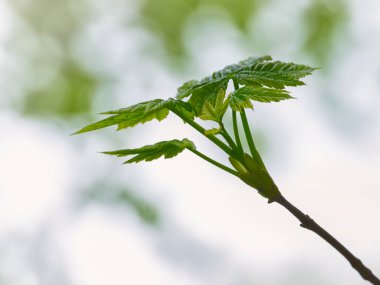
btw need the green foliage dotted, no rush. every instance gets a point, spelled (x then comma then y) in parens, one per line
(211, 94)
(240, 99)
(263, 80)
(258, 73)
(140, 113)
(255, 71)
(168, 149)
(55, 82)
(218, 77)
(214, 111)
(274, 74)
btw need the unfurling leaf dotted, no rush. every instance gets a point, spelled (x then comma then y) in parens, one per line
(215, 112)
(140, 113)
(240, 99)
(257, 71)
(168, 149)
(238, 165)
(209, 94)
(213, 131)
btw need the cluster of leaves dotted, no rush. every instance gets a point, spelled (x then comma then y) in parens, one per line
(255, 79)
(264, 80)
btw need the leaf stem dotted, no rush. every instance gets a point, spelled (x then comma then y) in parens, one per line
(236, 132)
(227, 137)
(247, 132)
(248, 135)
(310, 224)
(202, 130)
(236, 84)
(217, 164)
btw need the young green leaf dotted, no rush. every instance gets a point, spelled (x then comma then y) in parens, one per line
(168, 149)
(240, 99)
(254, 72)
(186, 89)
(238, 102)
(225, 74)
(213, 131)
(209, 94)
(215, 112)
(257, 71)
(140, 113)
(274, 74)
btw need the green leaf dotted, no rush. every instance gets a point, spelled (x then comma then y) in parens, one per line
(209, 94)
(144, 112)
(181, 107)
(140, 113)
(253, 71)
(240, 99)
(186, 89)
(258, 71)
(168, 149)
(213, 131)
(238, 102)
(215, 112)
(274, 74)
(225, 74)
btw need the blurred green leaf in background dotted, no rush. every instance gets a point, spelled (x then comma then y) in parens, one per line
(57, 84)
(70, 93)
(117, 195)
(325, 22)
(168, 19)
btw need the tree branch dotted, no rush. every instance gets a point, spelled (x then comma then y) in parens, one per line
(310, 224)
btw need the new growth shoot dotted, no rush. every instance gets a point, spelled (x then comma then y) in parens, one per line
(255, 79)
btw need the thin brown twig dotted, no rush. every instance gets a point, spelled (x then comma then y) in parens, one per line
(310, 224)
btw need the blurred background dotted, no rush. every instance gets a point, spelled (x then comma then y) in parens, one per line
(72, 216)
